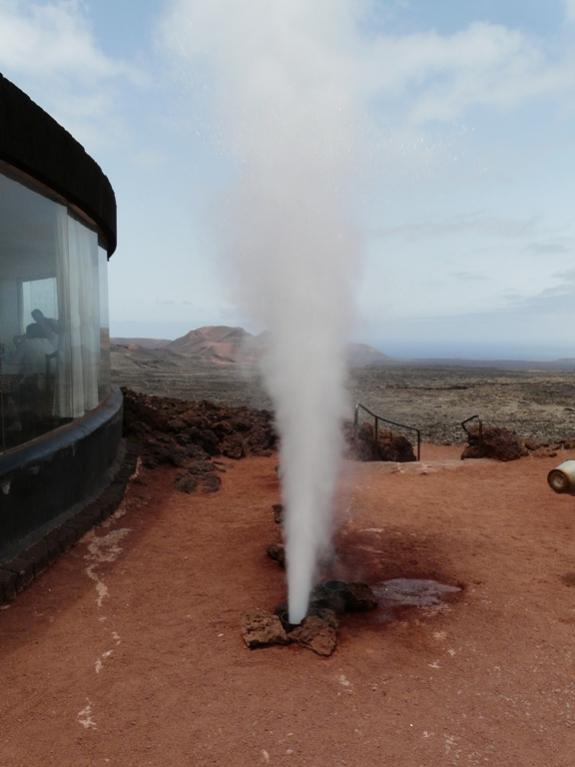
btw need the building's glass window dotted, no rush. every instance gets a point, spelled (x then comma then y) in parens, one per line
(54, 347)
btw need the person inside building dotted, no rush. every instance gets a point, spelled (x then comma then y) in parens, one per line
(31, 364)
(50, 327)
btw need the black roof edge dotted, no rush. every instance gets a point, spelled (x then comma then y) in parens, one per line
(35, 143)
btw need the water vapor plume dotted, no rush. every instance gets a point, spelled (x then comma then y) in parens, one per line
(284, 82)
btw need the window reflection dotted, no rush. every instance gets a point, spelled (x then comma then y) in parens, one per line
(54, 339)
(105, 364)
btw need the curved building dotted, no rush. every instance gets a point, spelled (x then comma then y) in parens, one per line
(60, 419)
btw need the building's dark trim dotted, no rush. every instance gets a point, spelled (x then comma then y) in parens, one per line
(45, 478)
(33, 554)
(36, 144)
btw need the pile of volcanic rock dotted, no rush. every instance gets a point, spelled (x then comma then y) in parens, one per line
(193, 435)
(318, 630)
(505, 445)
(546, 449)
(494, 442)
(363, 445)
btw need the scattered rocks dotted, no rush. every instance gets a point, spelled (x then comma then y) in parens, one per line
(200, 475)
(282, 612)
(276, 551)
(211, 483)
(315, 634)
(187, 483)
(342, 597)
(325, 614)
(494, 442)
(546, 449)
(329, 596)
(544, 452)
(318, 630)
(189, 435)
(233, 446)
(359, 598)
(262, 629)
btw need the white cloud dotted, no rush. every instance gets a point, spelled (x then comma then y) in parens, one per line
(51, 39)
(440, 76)
(476, 224)
(428, 77)
(49, 50)
(412, 81)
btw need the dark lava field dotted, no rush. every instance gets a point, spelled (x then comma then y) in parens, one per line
(534, 401)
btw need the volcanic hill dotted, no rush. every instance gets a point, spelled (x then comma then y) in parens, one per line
(212, 362)
(218, 345)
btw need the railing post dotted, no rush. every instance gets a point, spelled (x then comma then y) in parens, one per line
(479, 429)
(377, 419)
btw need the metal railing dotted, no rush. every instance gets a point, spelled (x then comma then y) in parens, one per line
(470, 435)
(378, 418)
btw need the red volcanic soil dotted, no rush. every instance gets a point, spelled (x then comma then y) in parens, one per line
(127, 652)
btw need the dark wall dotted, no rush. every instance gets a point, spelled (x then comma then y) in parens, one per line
(35, 143)
(48, 476)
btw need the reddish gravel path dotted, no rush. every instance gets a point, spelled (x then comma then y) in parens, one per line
(127, 651)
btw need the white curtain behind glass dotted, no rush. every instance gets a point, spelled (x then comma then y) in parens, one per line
(79, 318)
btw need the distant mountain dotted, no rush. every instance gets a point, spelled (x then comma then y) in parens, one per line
(141, 343)
(362, 355)
(220, 345)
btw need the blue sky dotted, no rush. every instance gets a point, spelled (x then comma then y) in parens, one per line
(467, 203)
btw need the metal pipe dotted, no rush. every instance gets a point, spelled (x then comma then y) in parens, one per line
(562, 478)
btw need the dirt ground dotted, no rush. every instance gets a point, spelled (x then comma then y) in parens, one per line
(127, 651)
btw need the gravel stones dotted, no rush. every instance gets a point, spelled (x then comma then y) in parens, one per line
(343, 597)
(276, 551)
(233, 447)
(359, 598)
(318, 630)
(190, 482)
(325, 614)
(199, 475)
(187, 483)
(262, 629)
(316, 634)
(278, 512)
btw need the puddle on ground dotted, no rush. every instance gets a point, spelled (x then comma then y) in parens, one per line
(413, 592)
